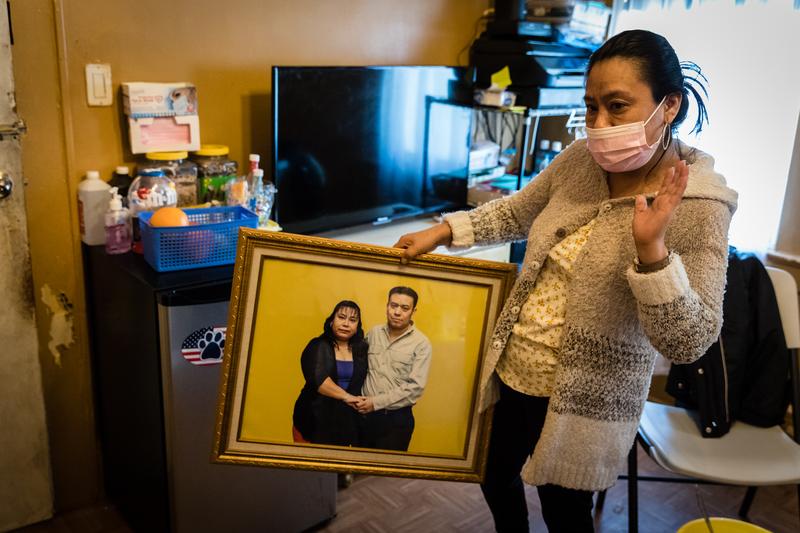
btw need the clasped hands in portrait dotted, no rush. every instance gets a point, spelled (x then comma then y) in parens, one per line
(362, 404)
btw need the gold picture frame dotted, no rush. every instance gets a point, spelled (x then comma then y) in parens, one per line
(284, 287)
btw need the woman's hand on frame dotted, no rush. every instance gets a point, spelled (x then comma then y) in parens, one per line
(422, 242)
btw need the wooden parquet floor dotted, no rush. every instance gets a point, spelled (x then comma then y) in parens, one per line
(383, 505)
(391, 505)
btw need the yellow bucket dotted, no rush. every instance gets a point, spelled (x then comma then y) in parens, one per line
(721, 525)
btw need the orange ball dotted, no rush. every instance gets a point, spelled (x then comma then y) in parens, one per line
(169, 216)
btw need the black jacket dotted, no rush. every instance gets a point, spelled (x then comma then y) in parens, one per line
(321, 419)
(745, 374)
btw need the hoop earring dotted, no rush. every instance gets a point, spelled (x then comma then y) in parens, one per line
(666, 137)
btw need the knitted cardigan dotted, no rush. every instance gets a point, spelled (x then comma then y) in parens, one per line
(617, 320)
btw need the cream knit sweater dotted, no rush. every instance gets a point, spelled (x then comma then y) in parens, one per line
(616, 319)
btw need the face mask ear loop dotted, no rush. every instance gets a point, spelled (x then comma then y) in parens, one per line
(666, 136)
(654, 111)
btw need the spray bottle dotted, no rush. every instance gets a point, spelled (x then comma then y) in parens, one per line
(118, 225)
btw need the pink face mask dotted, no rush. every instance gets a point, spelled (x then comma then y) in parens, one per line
(623, 148)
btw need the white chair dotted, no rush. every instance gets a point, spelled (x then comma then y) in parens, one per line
(749, 456)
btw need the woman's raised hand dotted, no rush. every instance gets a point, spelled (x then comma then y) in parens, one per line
(422, 242)
(650, 222)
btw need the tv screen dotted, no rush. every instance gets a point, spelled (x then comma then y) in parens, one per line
(355, 145)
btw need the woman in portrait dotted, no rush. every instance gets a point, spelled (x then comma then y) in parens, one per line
(626, 258)
(334, 366)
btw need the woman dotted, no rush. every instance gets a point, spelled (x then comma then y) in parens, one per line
(626, 258)
(334, 366)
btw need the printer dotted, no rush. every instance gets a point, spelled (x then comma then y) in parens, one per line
(544, 73)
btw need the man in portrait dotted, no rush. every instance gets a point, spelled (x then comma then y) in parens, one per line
(399, 360)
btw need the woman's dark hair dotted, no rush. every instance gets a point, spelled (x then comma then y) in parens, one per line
(660, 69)
(328, 329)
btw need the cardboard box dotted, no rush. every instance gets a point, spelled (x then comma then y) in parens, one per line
(162, 117)
(494, 98)
(483, 192)
(483, 155)
(159, 99)
(164, 134)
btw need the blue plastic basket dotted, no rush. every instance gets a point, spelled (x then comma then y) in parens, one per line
(209, 239)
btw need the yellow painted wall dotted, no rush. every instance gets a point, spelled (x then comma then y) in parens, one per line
(294, 300)
(226, 49)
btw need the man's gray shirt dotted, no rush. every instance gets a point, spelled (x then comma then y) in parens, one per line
(398, 369)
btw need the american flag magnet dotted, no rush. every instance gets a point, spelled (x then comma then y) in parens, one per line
(205, 346)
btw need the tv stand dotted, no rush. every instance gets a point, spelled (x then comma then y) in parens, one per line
(387, 234)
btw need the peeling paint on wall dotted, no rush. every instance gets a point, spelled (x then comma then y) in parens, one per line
(61, 329)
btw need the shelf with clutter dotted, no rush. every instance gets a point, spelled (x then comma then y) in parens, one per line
(174, 173)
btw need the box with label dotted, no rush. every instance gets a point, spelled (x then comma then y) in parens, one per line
(162, 117)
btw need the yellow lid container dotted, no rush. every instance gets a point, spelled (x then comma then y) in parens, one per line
(721, 525)
(166, 156)
(212, 150)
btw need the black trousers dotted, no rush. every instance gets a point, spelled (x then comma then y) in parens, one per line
(516, 426)
(387, 429)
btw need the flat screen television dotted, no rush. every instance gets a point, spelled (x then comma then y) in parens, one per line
(356, 145)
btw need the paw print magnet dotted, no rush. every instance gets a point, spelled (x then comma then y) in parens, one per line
(205, 346)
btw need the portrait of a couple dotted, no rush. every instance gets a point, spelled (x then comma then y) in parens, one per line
(344, 359)
(360, 389)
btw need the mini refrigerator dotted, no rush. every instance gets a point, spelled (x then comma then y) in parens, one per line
(157, 342)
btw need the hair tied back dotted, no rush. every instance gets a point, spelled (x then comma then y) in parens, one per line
(694, 81)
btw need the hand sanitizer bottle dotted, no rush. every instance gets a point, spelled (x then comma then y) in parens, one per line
(118, 225)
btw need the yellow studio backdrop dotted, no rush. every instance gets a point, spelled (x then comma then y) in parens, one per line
(294, 300)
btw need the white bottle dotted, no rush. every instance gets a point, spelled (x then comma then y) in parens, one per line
(253, 159)
(252, 186)
(263, 197)
(556, 149)
(542, 156)
(92, 204)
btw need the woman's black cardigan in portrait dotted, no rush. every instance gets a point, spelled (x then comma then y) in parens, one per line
(322, 419)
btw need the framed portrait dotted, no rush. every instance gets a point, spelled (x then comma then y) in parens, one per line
(340, 358)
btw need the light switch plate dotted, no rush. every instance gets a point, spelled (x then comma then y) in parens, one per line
(98, 84)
